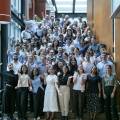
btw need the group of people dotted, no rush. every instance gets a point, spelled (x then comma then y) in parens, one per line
(59, 66)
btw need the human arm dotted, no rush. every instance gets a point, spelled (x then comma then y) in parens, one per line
(103, 91)
(99, 89)
(75, 77)
(56, 86)
(30, 84)
(114, 89)
(69, 80)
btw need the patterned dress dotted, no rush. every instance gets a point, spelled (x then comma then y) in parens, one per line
(93, 104)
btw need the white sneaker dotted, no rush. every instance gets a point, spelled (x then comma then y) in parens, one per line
(38, 118)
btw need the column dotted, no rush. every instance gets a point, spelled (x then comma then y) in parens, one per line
(5, 11)
(40, 8)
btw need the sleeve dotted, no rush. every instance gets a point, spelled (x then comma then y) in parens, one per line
(85, 76)
(99, 79)
(116, 81)
(56, 79)
(75, 75)
(29, 77)
(19, 81)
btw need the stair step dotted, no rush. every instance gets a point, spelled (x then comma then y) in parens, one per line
(100, 116)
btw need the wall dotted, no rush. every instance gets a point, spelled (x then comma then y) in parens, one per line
(40, 8)
(117, 52)
(117, 44)
(99, 12)
(90, 12)
(31, 9)
(37, 7)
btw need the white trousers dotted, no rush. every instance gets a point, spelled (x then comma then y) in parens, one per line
(64, 99)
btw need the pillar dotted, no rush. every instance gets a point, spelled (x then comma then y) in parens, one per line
(5, 11)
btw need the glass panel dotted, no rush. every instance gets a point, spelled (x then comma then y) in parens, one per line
(81, 6)
(64, 6)
(80, 9)
(115, 4)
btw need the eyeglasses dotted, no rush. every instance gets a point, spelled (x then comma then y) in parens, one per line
(108, 68)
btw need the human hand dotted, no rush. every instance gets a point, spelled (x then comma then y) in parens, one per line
(104, 96)
(99, 95)
(16, 87)
(30, 88)
(59, 93)
(112, 95)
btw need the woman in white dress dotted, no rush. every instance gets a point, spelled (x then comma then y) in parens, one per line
(50, 99)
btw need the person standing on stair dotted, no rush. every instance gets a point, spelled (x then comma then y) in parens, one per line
(23, 86)
(109, 84)
(9, 93)
(93, 89)
(64, 99)
(50, 98)
(38, 93)
(79, 80)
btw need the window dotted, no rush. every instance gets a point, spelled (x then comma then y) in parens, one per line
(64, 6)
(81, 6)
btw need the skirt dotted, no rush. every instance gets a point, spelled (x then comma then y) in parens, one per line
(93, 102)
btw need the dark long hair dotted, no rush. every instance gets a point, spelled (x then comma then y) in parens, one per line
(73, 68)
(68, 72)
(21, 72)
(32, 74)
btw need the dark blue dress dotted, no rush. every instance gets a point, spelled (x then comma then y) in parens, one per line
(93, 104)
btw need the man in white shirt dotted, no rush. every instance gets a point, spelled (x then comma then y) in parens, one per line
(87, 65)
(102, 65)
(16, 64)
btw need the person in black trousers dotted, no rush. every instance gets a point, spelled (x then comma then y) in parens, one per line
(109, 92)
(9, 93)
(23, 86)
(38, 93)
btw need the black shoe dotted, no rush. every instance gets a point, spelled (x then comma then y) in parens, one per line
(62, 118)
(66, 118)
(12, 118)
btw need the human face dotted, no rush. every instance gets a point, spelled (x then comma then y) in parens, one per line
(24, 69)
(15, 57)
(50, 70)
(56, 43)
(10, 66)
(65, 56)
(35, 71)
(108, 69)
(104, 57)
(51, 52)
(80, 69)
(60, 64)
(65, 69)
(73, 62)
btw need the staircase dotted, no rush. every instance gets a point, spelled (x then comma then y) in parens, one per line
(100, 116)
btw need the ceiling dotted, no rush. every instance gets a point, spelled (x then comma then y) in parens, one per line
(71, 6)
